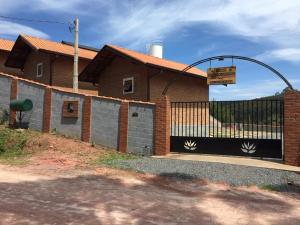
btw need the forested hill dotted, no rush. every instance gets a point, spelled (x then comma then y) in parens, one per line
(276, 96)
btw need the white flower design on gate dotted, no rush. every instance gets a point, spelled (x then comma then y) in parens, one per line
(189, 145)
(247, 148)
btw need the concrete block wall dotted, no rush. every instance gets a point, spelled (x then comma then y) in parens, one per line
(68, 126)
(105, 121)
(128, 126)
(141, 129)
(5, 85)
(35, 93)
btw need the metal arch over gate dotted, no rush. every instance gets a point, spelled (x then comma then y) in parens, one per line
(252, 128)
(221, 58)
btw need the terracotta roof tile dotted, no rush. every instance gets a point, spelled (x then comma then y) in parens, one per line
(147, 59)
(56, 47)
(6, 45)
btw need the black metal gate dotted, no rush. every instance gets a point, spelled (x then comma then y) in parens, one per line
(242, 128)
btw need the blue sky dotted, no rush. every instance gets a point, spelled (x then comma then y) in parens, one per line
(190, 30)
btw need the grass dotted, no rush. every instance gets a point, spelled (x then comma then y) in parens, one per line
(111, 158)
(12, 144)
(282, 188)
(269, 187)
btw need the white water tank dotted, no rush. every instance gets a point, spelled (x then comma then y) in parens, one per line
(156, 50)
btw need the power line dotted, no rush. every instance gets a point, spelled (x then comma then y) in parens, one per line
(33, 20)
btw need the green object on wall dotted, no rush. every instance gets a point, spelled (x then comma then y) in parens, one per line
(21, 105)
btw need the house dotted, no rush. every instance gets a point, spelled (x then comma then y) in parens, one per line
(49, 62)
(128, 74)
(5, 48)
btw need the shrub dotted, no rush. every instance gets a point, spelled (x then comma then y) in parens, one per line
(4, 116)
(12, 142)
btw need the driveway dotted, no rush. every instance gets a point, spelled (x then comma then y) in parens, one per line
(30, 195)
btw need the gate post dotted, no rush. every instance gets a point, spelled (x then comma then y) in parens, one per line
(162, 126)
(292, 128)
(123, 127)
(13, 96)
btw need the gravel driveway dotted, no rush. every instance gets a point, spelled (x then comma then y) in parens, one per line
(218, 172)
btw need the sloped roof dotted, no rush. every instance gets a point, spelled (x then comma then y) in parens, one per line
(25, 44)
(56, 47)
(108, 52)
(147, 59)
(6, 45)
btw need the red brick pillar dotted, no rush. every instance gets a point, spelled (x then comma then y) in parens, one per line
(123, 126)
(47, 110)
(13, 96)
(162, 126)
(86, 119)
(292, 128)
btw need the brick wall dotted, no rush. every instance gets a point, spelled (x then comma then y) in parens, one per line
(13, 96)
(184, 89)
(292, 128)
(162, 126)
(47, 110)
(63, 74)
(111, 80)
(123, 126)
(30, 67)
(62, 71)
(86, 119)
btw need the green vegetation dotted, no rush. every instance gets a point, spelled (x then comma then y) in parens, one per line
(4, 116)
(257, 111)
(284, 187)
(12, 144)
(112, 157)
(269, 187)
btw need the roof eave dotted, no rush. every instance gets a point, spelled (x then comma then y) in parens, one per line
(178, 71)
(5, 50)
(105, 48)
(63, 54)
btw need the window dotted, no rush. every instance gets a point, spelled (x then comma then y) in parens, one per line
(39, 70)
(128, 85)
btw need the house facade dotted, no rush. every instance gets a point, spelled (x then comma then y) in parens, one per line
(5, 48)
(127, 74)
(49, 62)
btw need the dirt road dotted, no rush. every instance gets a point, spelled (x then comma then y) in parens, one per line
(30, 195)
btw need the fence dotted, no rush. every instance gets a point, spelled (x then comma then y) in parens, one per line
(260, 119)
(145, 128)
(99, 118)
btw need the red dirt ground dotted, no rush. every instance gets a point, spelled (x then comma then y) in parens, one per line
(59, 186)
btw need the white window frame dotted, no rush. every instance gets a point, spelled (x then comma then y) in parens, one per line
(126, 79)
(37, 69)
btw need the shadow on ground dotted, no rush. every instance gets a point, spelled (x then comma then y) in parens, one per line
(98, 199)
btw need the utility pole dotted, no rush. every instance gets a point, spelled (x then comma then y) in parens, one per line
(75, 68)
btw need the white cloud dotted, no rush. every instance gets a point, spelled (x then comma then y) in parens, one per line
(284, 54)
(268, 20)
(13, 29)
(137, 22)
